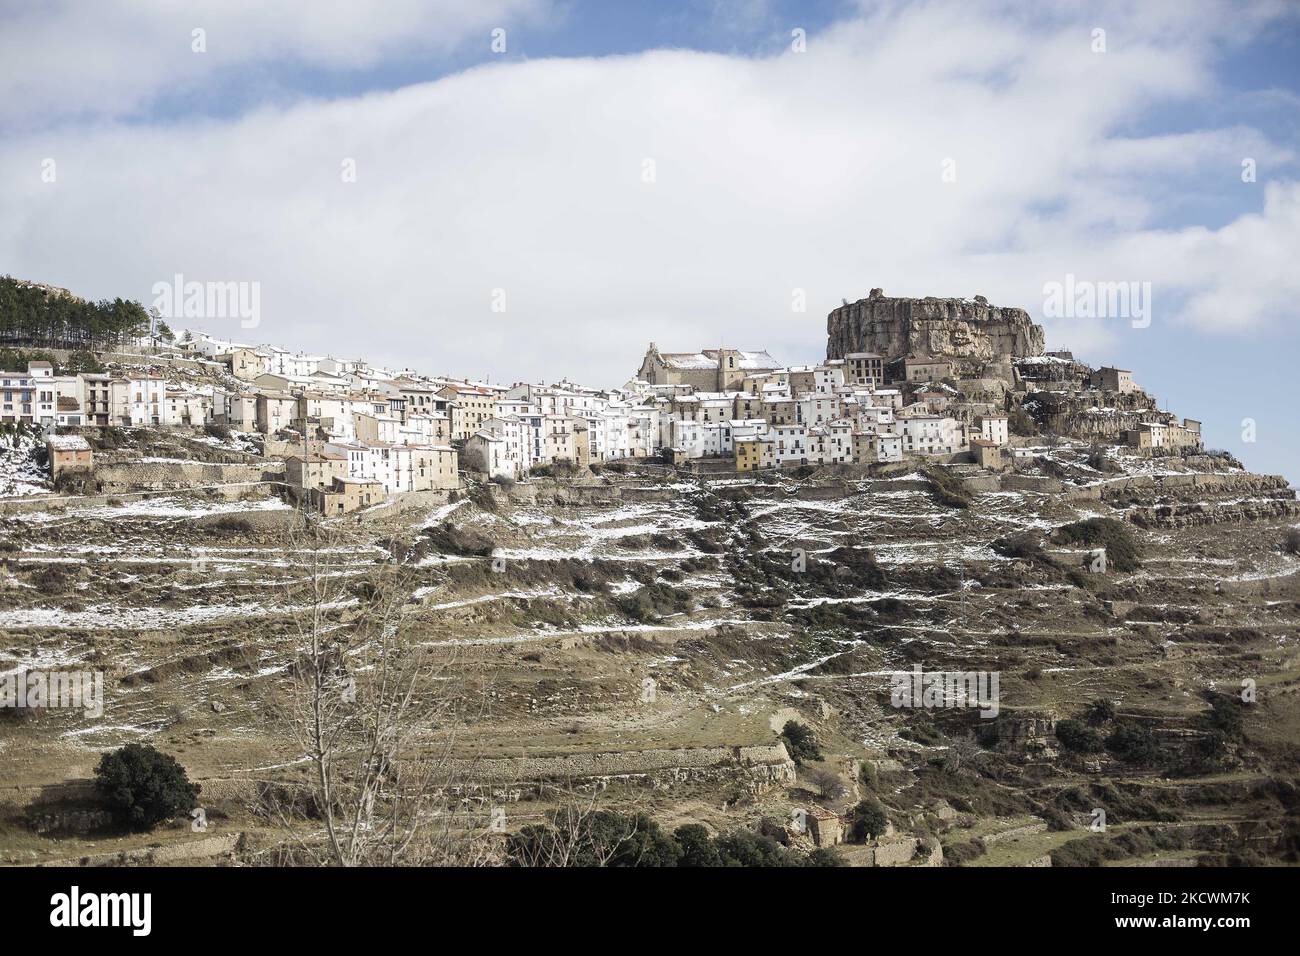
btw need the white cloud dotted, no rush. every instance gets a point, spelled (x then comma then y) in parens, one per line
(818, 171)
(70, 57)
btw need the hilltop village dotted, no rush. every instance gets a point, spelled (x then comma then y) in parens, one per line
(691, 596)
(948, 385)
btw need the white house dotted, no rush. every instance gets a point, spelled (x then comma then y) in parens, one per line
(791, 444)
(994, 428)
(931, 435)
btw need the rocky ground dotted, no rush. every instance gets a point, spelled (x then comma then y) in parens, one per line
(649, 637)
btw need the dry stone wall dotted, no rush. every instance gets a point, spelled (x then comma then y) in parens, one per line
(160, 476)
(762, 766)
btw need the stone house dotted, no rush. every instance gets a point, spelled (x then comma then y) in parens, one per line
(802, 379)
(825, 827)
(887, 398)
(781, 411)
(566, 439)
(349, 494)
(245, 364)
(468, 407)
(987, 454)
(925, 368)
(378, 427)
(864, 368)
(69, 453)
(187, 408)
(1189, 434)
(1152, 435)
(434, 468)
(1113, 380)
(275, 410)
(314, 471)
(236, 409)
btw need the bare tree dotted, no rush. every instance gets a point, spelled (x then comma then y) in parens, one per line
(572, 836)
(373, 712)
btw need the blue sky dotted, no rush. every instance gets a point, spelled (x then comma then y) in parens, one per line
(774, 170)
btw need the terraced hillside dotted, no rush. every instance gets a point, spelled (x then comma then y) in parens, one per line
(648, 638)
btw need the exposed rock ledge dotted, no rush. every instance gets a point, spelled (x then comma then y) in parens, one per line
(964, 328)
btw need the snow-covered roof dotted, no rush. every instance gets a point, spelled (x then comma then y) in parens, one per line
(753, 360)
(67, 443)
(688, 360)
(1042, 360)
(708, 359)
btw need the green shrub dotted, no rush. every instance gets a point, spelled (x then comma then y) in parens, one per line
(231, 524)
(1077, 737)
(696, 846)
(654, 601)
(956, 854)
(1101, 711)
(1225, 716)
(607, 838)
(1122, 549)
(867, 821)
(800, 742)
(744, 848)
(826, 856)
(142, 787)
(82, 362)
(1135, 743)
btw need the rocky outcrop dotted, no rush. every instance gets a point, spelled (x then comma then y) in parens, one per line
(959, 328)
(1210, 512)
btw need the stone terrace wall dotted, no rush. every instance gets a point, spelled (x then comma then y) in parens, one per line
(762, 765)
(175, 476)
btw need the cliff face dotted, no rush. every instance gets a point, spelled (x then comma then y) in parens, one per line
(944, 327)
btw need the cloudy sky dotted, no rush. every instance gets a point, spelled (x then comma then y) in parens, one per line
(525, 189)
